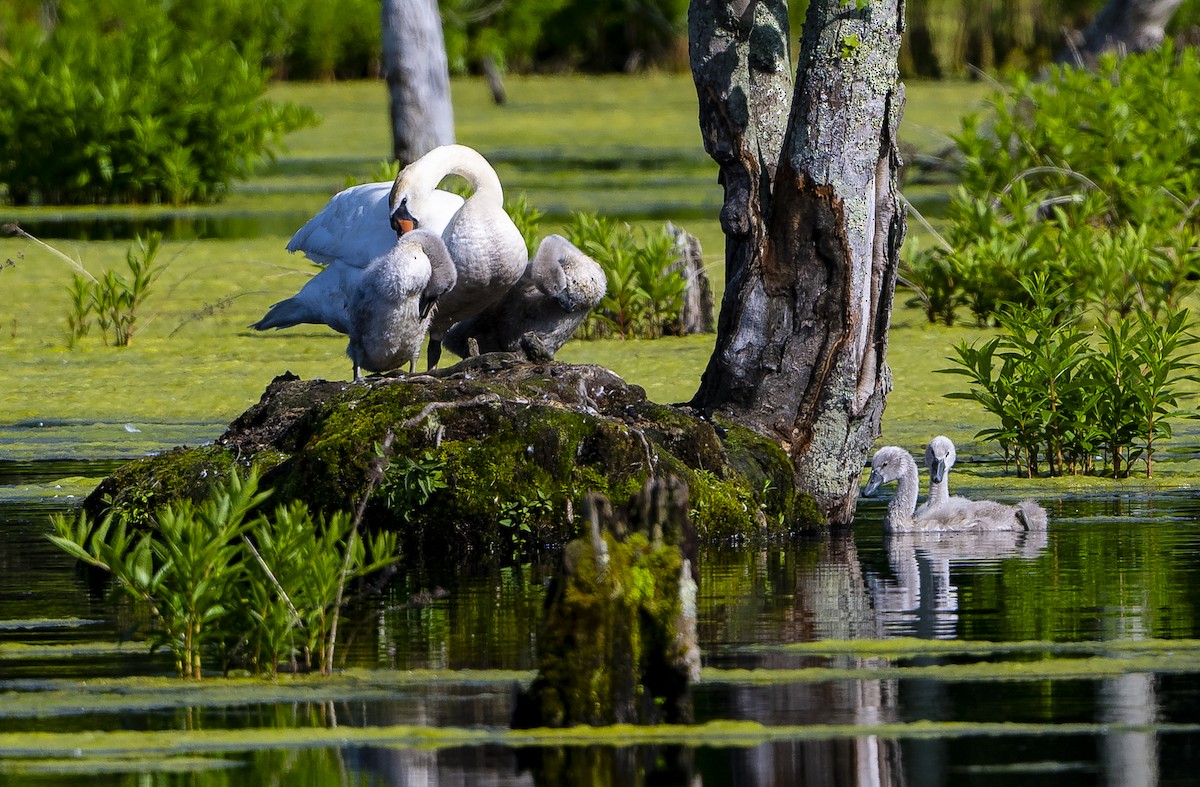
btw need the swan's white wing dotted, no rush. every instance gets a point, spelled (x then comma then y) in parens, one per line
(352, 227)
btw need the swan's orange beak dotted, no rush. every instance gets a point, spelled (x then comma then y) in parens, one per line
(405, 226)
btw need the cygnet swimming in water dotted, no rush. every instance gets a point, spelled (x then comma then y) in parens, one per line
(892, 463)
(939, 458)
(561, 286)
(391, 309)
(351, 231)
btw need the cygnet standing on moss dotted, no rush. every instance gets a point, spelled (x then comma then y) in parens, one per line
(392, 307)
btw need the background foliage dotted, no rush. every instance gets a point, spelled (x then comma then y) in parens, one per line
(339, 39)
(1090, 177)
(139, 113)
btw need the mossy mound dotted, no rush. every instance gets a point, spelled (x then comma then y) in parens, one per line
(500, 448)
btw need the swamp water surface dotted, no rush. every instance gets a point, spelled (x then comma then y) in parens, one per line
(1067, 657)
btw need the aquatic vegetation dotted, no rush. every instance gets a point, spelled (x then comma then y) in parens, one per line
(1059, 400)
(222, 581)
(1084, 176)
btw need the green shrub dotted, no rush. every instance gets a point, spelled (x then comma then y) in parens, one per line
(1060, 394)
(645, 291)
(1090, 177)
(146, 115)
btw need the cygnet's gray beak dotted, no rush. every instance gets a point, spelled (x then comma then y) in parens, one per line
(937, 470)
(565, 301)
(873, 483)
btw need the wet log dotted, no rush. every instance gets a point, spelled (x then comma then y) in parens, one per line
(618, 641)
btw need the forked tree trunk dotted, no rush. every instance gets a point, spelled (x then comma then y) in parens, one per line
(813, 226)
(418, 78)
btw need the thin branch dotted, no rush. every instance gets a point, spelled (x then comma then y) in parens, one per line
(925, 222)
(283, 593)
(427, 410)
(16, 230)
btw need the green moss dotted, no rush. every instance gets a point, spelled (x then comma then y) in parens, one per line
(517, 447)
(141, 486)
(608, 634)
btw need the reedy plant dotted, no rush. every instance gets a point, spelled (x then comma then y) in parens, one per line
(645, 286)
(1086, 175)
(1164, 350)
(187, 567)
(1060, 394)
(222, 582)
(113, 300)
(149, 115)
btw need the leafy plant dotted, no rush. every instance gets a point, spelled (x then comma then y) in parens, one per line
(1060, 394)
(185, 568)
(645, 284)
(223, 584)
(522, 515)
(1086, 176)
(408, 484)
(114, 301)
(150, 115)
(527, 218)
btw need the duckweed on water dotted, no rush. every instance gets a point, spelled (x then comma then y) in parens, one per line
(1015, 670)
(904, 647)
(713, 734)
(62, 697)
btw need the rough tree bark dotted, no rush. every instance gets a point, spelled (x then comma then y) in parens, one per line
(1122, 25)
(418, 78)
(813, 226)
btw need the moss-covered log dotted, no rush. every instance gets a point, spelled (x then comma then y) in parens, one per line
(504, 448)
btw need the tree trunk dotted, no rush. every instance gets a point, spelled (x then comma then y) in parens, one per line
(1124, 26)
(813, 227)
(418, 78)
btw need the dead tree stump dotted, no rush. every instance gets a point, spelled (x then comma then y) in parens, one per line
(618, 639)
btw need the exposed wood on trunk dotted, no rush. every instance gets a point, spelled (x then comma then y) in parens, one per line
(811, 252)
(418, 78)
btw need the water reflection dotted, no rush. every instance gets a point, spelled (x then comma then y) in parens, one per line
(920, 599)
(1106, 570)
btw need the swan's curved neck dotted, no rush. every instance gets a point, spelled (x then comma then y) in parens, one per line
(429, 170)
(904, 504)
(939, 493)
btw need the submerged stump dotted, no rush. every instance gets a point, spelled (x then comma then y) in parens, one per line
(618, 640)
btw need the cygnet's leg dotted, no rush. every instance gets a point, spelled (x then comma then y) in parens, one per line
(357, 372)
(434, 353)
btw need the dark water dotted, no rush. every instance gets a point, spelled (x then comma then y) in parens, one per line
(1111, 569)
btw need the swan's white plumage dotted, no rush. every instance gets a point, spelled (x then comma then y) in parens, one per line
(559, 289)
(391, 309)
(892, 463)
(350, 232)
(354, 226)
(488, 250)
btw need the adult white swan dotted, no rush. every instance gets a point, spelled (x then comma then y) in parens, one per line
(560, 287)
(892, 463)
(487, 248)
(350, 232)
(391, 309)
